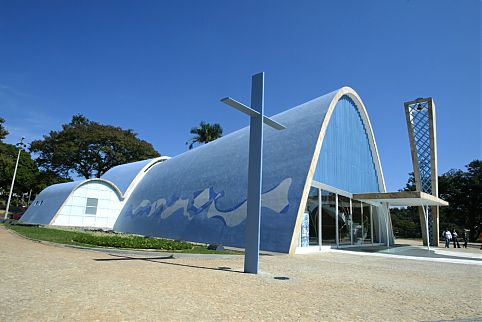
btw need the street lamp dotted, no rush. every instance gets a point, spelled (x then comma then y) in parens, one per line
(255, 167)
(20, 145)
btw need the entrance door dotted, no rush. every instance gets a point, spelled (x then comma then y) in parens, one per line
(344, 220)
(328, 217)
(312, 211)
(357, 226)
(332, 218)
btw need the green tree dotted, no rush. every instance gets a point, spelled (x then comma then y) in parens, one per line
(406, 222)
(205, 133)
(473, 190)
(463, 191)
(88, 149)
(28, 179)
(3, 131)
(25, 173)
(43, 179)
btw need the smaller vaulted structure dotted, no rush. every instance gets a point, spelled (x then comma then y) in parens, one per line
(89, 203)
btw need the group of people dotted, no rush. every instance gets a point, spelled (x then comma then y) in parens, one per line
(453, 236)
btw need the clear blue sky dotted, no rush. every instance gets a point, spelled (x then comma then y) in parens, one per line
(160, 67)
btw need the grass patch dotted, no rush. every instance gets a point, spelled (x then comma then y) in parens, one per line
(46, 234)
(129, 241)
(100, 239)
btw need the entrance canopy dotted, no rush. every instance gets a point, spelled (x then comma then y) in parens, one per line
(402, 198)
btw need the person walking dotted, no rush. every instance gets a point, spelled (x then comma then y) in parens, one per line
(454, 238)
(466, 238)
(447, 236)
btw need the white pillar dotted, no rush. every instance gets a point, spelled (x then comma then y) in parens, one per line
(386, 218)
(336, 221)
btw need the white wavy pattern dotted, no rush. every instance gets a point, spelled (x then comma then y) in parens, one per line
(275, 199)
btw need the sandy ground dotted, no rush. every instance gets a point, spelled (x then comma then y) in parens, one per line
(42, 282)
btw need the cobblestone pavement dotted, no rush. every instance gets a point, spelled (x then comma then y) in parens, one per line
(41, 282)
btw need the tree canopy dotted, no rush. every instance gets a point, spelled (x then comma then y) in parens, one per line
(25, 173)
(463, 191)
(87, 148)
(28, 178)
(205, 133)
(3, 131)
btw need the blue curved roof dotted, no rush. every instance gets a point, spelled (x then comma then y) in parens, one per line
(48, 202)
(123, 175)
(200, 195)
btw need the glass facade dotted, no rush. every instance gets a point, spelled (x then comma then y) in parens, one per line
(344, 221)
(357, 223)
(335, 219)
(328, 217)
(367, 223)
(312, 208)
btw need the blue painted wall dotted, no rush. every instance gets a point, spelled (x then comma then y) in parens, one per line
(346, 160)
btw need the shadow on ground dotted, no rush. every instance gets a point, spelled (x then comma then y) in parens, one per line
(160, 260)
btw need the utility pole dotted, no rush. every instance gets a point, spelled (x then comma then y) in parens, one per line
(20, 145)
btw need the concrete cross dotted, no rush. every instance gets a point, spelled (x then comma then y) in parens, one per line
(255, 168)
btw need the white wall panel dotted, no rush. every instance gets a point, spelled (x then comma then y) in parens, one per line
(73, 212)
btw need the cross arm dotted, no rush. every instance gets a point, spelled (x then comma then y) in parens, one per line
(239, 106)
(275, 125)
(249, 111)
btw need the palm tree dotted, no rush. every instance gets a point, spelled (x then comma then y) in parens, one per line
(205, 133)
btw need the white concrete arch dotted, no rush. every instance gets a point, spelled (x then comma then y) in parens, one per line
(142, 173)
(109, 183)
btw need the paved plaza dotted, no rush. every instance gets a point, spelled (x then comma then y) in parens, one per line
(41, 281)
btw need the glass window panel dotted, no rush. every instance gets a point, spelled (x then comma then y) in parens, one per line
(376, 224)
(328, 217)
(344, 220)
(367, 226)
(357, 222)
(312, 210)
(92, 202)
(305, 231)
(90, 210)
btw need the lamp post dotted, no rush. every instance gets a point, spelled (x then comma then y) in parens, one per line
(20, 145)
(255, 168)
